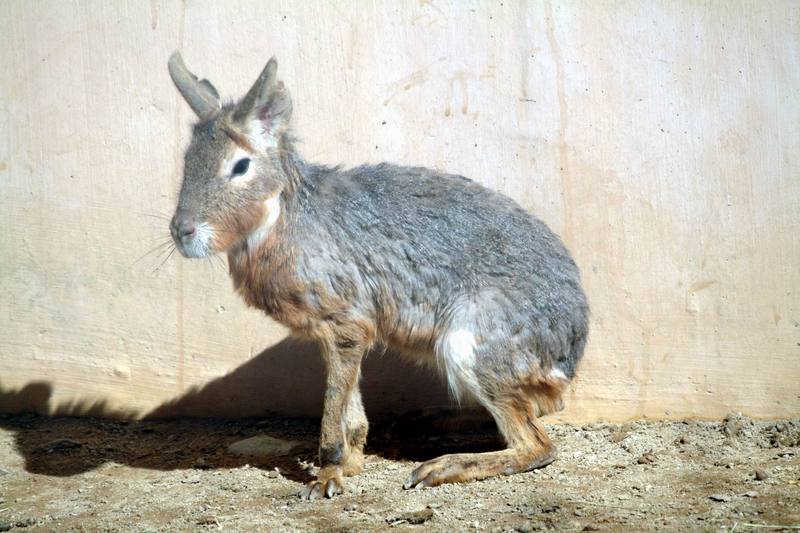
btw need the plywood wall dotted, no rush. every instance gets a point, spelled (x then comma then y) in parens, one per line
(660, 139)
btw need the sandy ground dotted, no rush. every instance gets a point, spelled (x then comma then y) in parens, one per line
(81, 474)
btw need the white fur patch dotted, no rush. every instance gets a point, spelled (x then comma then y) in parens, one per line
(272, 210)
(199, 245)
(259, 138)
(456, 354)
(557, 373)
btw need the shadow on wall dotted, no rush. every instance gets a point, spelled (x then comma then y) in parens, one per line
(288, 409)
(288, 379)
(285, 379)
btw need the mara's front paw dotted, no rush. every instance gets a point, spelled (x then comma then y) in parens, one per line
(328, 483)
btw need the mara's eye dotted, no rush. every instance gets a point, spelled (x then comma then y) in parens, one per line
(241, 167)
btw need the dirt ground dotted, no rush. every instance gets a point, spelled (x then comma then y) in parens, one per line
(82, 474)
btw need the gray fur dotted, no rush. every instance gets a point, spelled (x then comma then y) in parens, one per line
(430, 242)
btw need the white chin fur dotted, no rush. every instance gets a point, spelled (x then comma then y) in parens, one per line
(199, 245)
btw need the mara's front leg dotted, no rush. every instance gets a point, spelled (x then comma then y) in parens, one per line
(344, 425)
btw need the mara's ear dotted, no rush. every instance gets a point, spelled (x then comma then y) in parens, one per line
(267, 106)
(201, 96)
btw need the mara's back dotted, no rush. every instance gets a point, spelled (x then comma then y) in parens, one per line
(427, 248)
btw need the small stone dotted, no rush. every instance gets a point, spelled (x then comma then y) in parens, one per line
(201, 464)
(524, 528)
(26, 523)
(550, 508)
(732, 425)
(591, 527)
(618, 436)
(720, 498)
(750, 494)
(761, 475)
(646, 458)
(5, 526)
(208, 520)
(261, 445)
(350, 507)
(414, 517)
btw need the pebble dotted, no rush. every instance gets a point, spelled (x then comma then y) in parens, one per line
(646, 459)
(750, 494)
(761, 475)
(618, 436)
(720, 498)
(732, 425)
(261, 445)
(414, 517)
(591, 527)
(201, 464)
(350, 507)
(5, 526)
(209, 520)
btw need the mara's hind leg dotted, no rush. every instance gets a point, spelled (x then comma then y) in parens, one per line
(515, 409)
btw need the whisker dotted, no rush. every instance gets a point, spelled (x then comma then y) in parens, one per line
(165, 259)
(157, 248)
(155, 215)
(209, 264)
(221, 263)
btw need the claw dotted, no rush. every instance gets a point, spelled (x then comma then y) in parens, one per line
(327, 484)
(331, 489)
(415, 480)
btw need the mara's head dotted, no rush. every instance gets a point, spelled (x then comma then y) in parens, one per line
(232, 177)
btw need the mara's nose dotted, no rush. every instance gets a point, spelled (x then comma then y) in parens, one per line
(182, 226)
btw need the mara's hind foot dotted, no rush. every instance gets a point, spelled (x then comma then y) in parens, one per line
(515, 410)
(461, 467)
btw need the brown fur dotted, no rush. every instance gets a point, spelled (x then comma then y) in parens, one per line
(515, 409)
